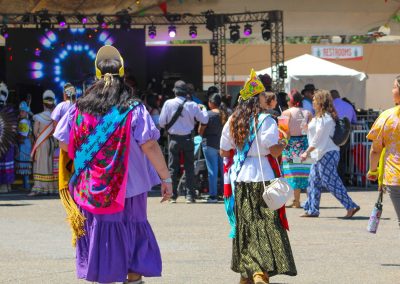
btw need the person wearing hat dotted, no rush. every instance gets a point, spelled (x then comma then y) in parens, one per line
(112, 140)
(261, 247)
(23, 165)
(178, 117)
(7, 175)
(43, 149)
(308, 93)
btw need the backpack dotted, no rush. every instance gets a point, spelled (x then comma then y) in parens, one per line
(342, 131)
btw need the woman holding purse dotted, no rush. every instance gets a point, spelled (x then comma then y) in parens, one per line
(261, 246)
(385, 133)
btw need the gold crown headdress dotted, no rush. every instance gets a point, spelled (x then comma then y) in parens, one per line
(252, 87)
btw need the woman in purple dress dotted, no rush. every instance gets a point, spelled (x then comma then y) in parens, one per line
(119, 245)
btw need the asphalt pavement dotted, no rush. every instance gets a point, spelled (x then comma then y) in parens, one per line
(35, 244)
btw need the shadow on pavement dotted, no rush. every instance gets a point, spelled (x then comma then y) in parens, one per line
(14, 205)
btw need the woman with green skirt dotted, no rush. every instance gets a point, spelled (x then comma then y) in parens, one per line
(261, 247)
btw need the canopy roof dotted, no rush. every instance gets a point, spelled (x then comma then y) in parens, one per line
(301, 17)
(308, 65)
(307, 69)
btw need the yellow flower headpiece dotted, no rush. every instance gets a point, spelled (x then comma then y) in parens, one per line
(252, 87)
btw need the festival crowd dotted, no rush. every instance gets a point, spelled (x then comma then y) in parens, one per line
(101, 153)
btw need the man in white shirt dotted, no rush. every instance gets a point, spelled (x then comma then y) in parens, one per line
(180, 137)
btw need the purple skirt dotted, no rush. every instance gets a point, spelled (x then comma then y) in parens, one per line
(116, 244)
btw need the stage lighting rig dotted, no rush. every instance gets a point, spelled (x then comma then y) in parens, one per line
(171, 31)
(234, 33)
(45, 21)
(61, 20)
(266, 30)
(193, 31)
(4, 31)
(247, 29)
(82, 18)
(124, 19)
(101, 21)
(152, 31)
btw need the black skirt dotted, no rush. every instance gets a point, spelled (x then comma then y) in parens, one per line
(261, 243)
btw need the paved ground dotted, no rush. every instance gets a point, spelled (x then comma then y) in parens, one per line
(35, 243)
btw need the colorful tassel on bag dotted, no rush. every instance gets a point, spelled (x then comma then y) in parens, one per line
(74, 216)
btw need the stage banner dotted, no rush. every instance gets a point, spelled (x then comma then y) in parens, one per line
(352, 52)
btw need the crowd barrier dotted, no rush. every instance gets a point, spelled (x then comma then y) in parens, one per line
(357, 153)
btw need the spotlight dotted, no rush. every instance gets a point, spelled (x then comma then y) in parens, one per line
(247, 30)
(124, 19)
(45, 21)
(172, 31)
(266, 30)
(152, 32)
(234, 33)
(100, 21)
(193, 31)
(82, 18)
(4, 31)
(61, 20)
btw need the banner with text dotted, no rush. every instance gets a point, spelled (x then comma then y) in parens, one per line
(338, 52)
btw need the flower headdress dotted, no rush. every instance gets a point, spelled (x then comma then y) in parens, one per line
(252, 87)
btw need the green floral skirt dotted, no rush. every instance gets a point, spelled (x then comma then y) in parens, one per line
(261, 243)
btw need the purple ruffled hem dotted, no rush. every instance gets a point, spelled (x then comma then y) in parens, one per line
(116, 244)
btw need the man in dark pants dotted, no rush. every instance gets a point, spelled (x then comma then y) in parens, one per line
(180, 137)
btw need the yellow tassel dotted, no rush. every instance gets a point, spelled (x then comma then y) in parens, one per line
(74, 217)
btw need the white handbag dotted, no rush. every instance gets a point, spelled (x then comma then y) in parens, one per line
(278, 192)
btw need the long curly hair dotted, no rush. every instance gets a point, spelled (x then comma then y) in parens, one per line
(323, 99)
(241, 118)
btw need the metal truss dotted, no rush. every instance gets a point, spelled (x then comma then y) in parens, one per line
(29, 19)
(278, 68)
(125, 19)
(220, 59)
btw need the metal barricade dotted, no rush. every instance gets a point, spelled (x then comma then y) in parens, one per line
(358, 157)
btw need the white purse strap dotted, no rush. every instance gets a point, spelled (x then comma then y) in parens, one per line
(259, 155)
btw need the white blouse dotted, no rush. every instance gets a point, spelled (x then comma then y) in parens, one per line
(267, 136)
(320, 131)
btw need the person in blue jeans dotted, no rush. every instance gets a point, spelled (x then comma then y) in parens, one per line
(211, 133)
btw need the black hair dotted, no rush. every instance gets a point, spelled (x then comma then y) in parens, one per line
(151, 100)
(216, 99)
(98, 100)
(212, 90)
(281, 99)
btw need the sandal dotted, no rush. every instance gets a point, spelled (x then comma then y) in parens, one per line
(352, 212)
(260, 278)
(309, 215)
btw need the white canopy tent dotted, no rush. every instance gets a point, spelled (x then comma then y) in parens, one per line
(307, 69)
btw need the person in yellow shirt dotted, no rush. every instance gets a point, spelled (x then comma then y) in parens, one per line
(385, 133)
